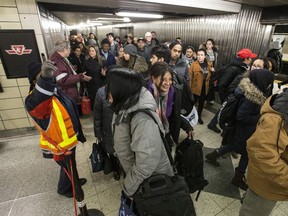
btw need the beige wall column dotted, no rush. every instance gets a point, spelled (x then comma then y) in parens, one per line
(17, 14)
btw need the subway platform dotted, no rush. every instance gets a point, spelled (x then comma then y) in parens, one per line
(28, 182)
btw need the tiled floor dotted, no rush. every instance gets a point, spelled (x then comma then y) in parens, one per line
(28, 182)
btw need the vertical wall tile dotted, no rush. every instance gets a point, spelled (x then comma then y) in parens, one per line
(16, 123)
(30, 21)
(23, 81)
(24, 91)
(13, 114)
(8, 3)
(41, 45)
(12, 111)
(31, 121)
(26, 6)
(11, 92)
(9, 14)
(2, 72)
(10, 25)
(12, 103)
(8, 82)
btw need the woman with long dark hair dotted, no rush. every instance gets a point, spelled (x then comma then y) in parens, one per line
(93, 68)
(137, 139)
(167, 100)
(132, 60)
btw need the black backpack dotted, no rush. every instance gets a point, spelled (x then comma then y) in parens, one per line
(189, 164)
(228, 111)
(216, 76)
(187, 99)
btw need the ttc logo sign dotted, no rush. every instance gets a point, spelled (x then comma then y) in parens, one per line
(18, 50)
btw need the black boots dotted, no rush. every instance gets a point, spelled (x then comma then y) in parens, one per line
(116, 167)
(214, 128)
(200, 121)
(213, 157)
(239, 180)
(116, 175)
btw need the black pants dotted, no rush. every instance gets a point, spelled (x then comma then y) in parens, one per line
(115, 163)
(211, 91)
(201, 99)
(228, 146)
(64, 183)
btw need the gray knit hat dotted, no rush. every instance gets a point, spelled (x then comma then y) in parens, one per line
(130, 49)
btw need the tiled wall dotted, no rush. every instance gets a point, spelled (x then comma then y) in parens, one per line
(17, 14)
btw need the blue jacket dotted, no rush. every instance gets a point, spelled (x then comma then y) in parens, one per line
(110, 59)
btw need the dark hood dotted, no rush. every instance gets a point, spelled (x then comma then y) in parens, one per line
(263, 79)
(279, 103)
(236, 62)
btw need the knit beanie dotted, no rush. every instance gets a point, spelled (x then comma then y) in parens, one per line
(130, 49)
(33, 69)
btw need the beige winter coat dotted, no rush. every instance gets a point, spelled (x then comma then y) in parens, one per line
(268, 164)
(196, 78)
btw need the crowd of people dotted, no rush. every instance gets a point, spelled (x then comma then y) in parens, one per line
(137, 73)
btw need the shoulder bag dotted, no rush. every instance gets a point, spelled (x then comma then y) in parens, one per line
(161, 194)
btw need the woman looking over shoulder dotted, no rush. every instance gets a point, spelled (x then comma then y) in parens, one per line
(167, 97)
(137, 139)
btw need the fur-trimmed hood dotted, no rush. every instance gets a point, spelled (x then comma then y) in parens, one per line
(251, 92)
(257, 86)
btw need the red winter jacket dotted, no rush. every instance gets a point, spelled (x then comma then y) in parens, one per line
(65, 76)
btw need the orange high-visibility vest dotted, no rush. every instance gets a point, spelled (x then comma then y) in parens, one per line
(60, 135)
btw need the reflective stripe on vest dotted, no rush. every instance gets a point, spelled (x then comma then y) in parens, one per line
(60, 131)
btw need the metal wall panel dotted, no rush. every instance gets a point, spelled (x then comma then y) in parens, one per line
(231, 32)
(53, 29)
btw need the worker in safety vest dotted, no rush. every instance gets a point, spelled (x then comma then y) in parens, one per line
(56, 117)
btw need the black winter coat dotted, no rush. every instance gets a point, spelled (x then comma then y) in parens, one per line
(175, 120)
(235, 68)
(103, 116)
(93, 69)
(77, 61)
(248, 113)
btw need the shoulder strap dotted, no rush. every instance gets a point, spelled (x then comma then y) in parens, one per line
(161, 133)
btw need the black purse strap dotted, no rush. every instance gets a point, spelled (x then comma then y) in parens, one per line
(166, 145)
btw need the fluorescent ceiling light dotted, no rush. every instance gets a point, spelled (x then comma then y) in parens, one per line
(84, 25)
(110, 18)
(124, 19)
(145, 15)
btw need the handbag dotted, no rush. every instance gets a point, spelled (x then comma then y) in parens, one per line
(161, 194)
(85, 103)
(96, 158)
(126, 206)
(192, 117)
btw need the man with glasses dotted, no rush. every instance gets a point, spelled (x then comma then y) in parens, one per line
(65, 76)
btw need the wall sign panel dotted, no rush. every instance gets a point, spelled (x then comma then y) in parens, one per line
(18, 48)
